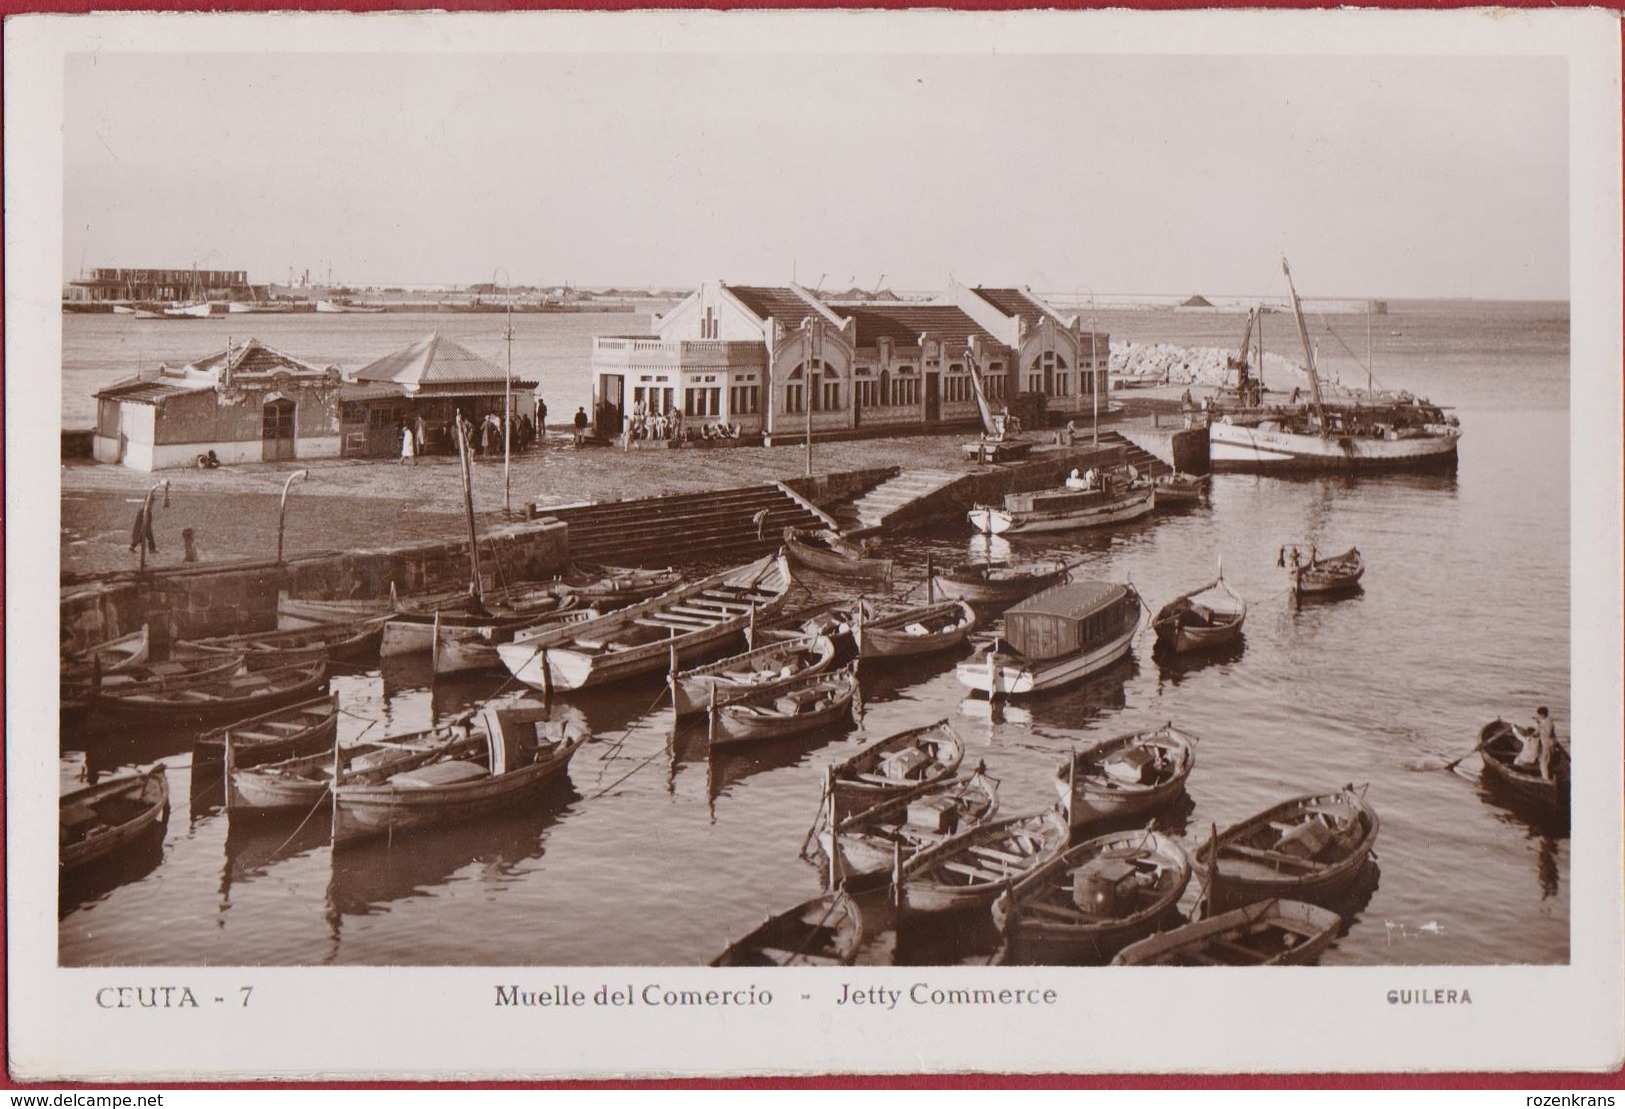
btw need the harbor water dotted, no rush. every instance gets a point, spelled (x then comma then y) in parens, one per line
(656, 851)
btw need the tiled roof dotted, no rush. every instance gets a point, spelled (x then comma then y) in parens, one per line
(432, 360)
(782, 304)
(1014, 302)
(254, 357)
(903, 324)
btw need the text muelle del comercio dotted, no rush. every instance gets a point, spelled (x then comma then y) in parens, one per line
(656, 995)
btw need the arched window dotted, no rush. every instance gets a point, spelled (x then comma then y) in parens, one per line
(1048, 374)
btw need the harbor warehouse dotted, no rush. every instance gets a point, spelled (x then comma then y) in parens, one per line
(247, 403)
(776, 360)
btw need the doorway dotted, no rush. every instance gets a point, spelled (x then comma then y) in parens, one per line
(277, 431)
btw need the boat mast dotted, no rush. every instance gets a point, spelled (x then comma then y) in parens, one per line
(468, 507)
(1308, 350)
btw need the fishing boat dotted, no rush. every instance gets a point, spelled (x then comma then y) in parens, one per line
(1388, 432)
(1126, 776)
(463, 650)
(344, 307)
(825, 931)
(828, 552)
(895, 765)
(1270, 933)
(82, 693)
(227, 697)
(100, 820)
(914, 630)
(1320, 577)
(270, 737)
(1307, 849)
(300, 612)
(688, 623)
(1094, 899)
(1176, 488)
(527, 749)
(349, 642)
(298, 784)
(1099, 499)
(759, 674)
(812, 701)
(197, 309)
(864, 844)
(970, 870)
(1058, 636)
(1500, 745)
(998, 583)
(1206, 617)
(610, 587)
(82, 668)
(490, 619)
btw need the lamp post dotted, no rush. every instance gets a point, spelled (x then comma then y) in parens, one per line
(1094, 372)
(507, 399)
(282, 509)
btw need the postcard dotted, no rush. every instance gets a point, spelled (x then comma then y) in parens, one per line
(718, 544)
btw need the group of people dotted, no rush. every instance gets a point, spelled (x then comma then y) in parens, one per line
(1539, 743)
(417, 435)
(655, 425)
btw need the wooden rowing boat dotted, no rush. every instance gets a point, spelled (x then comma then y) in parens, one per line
(148, 677)
(809, 702)
(894, 765)
(868, 843)
(998, 583)
(299, 784)
(1206, 617)
(349, 642)
(463, 650)
(1269, 933)
(1320, 577)
(300, 612)
(915, 630)
(1500, 747)
(81, 669)
(1177, 488)
(279, 734)
(828, 552)
(1061, 635)
(607, 588)
(494, 621)
(686, 624)
(970, 870)
(1094, 899)
(1127, 776)
(758, 675)
(1310, 848)
(825, 931)
(527, 749)
(100, 820)
(229, 697)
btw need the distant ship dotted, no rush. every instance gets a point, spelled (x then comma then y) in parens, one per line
(336, 306)
(1386, 432)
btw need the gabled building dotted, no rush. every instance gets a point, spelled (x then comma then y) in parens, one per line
(246, 403)
(778, 360)
(433, 379)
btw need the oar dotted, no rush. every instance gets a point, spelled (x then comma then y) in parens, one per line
(1451, 765)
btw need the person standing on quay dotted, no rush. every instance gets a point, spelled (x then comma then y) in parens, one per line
(541, 420)
(581, 425)
(408, 446)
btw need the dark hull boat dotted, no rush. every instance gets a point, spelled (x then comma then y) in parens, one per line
(755, 675)
(84, 693)
(1327, 577)
(1094, 900)
(895, 765)
(347, 642)
(1207, 617)
(998, 583)
(825, 931)
(1500, 746)
(101, 820)
(826, 552)
(279, 734)
(229, 697)
(607, 588)
(1128, 776)
(810, 702)
(1264, 934)
(918, 630)
(868, 844)
(1307, 849)
(971, 870)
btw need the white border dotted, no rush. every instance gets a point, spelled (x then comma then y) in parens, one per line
(442, 1023)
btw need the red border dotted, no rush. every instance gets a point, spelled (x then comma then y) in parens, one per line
(1466, 1080)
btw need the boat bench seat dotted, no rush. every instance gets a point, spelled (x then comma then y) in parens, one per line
(981, 874)
(784, 957)
(1276, 858)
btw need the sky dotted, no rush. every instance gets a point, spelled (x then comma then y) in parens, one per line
(1109, 174)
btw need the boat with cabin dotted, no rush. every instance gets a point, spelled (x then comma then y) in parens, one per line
(1098, 498)
(1055, 637)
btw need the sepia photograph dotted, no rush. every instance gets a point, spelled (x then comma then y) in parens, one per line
(882, 521)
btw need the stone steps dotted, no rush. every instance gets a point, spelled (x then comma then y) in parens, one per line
(666, 531)
(872, 510)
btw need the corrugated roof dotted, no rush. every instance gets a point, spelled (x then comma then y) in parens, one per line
(1074, 600)
(780, 303)
(432, 360)
(904, 323)
(135, 391)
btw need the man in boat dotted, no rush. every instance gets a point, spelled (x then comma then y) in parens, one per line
(1538, 743)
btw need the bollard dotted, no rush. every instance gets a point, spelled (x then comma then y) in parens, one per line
(187, 537)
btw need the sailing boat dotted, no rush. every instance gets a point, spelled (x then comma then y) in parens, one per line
(197, 307)
(1386, 432)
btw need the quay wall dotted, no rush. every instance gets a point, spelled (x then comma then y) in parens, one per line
(225, 599)
(1185, 449)
(989, 486)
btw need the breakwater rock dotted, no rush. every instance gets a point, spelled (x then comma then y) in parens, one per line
(1198, 365)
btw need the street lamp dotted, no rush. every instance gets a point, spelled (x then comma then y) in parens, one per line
(282, 510)
(1094, 371)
